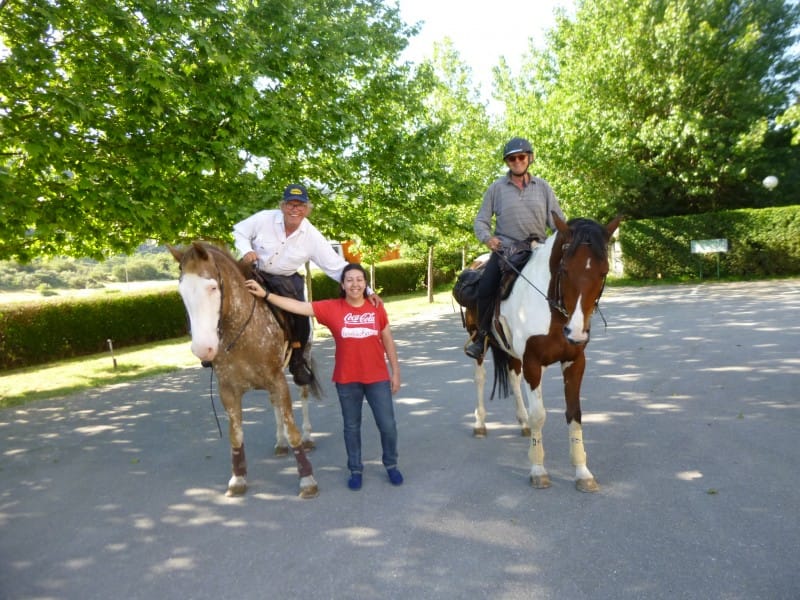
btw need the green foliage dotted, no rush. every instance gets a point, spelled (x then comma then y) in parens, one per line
(763, 242)
(173, 120)
(663, 107)
(393, 277)
(37, 333)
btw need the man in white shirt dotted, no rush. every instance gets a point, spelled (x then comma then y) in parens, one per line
(281, 241)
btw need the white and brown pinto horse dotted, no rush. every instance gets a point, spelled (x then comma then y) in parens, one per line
(546, 319)
(246, 346)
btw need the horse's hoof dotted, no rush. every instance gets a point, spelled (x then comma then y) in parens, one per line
(281, 450)
(309, 445)
(236, 489)
(540, 482)
(587, 485)
(479, 432)
(526, 432)
(311, 491)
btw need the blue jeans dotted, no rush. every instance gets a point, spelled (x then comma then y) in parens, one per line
(379, 397)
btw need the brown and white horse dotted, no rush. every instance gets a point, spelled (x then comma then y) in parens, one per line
(240, 336)
(546, 319)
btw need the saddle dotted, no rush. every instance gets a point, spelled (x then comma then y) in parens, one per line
(276, 284)
(516, 257)
(465, 290)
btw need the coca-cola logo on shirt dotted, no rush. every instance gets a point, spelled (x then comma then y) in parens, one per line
(362, 319)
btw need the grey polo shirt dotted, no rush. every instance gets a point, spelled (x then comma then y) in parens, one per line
(519, 213)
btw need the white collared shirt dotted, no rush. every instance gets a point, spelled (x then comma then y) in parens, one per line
(265, 234)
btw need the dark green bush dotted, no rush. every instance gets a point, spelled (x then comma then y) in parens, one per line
(762, 242)
(36, 333)
(392, 277)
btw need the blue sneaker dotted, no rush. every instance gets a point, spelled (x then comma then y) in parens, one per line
(395, 476)
(354, 483)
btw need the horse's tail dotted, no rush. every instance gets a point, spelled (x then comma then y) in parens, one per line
(501, 361)
(314, 387)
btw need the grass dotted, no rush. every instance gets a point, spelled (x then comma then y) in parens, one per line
(58, 379)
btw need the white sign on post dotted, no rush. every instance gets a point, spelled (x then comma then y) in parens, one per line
(709, 246)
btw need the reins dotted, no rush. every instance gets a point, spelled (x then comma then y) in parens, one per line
(558, 304)
(553, 304)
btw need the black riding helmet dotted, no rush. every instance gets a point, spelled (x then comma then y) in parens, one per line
(516, 146)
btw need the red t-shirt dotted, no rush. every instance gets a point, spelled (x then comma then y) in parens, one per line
(360, 355)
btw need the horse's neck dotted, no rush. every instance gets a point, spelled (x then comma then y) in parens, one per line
(537, 270)
(235, 294)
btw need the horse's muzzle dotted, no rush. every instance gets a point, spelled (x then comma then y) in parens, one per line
(582, 341)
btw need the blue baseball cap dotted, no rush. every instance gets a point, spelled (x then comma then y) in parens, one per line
(295, 191)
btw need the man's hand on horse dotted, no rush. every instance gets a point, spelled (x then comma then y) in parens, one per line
(494, 243)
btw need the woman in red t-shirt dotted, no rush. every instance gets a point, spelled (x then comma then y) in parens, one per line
(363, 342)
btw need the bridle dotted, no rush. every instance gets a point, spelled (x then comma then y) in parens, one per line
(562, 270)
(219, 280)
(557, 303)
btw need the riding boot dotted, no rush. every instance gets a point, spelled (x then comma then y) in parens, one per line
(478, 346)
(298, 367)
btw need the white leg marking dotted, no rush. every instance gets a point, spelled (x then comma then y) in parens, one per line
(480, 408)
(304, 410)
(281, 439)
(522, 412)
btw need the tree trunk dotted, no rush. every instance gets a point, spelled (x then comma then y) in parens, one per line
(430, 274)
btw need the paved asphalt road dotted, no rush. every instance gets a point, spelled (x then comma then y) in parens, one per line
(691, 420)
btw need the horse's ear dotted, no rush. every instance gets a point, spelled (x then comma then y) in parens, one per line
(201, 250)
(612, 226)
(560, 224)
(177, 254)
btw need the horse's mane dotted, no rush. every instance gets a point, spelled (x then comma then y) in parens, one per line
(225, 254)
(589, 232)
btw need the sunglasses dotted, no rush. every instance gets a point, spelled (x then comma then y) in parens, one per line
(516, 157)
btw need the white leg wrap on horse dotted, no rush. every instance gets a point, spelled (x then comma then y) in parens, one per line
(576, 450)
(536, 452)
(536, 418)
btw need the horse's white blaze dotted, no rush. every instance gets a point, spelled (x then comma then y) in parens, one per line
(202, 298)
(576, 327)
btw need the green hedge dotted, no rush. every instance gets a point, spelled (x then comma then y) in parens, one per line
(761, 242)
(393, 277)
(41, 332)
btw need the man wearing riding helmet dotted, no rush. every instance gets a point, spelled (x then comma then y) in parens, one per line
(521, 205)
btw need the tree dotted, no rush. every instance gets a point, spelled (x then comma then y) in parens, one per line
(123, 121)
(466, 157)
(660, 107)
